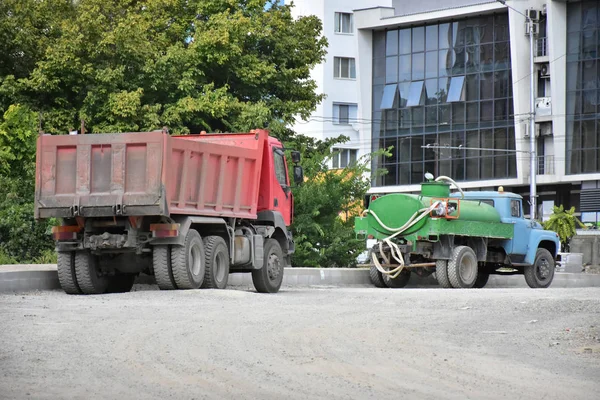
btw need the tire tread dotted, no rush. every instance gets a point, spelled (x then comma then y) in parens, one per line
(66, 272)
(162, 268)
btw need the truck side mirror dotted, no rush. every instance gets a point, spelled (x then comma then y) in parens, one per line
(298, 174)
(295, 157)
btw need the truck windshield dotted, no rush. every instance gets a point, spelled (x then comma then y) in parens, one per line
(280, 167)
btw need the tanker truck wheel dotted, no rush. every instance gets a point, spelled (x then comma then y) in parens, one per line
(89, 277)
(161, 264)
(441, 273)
(540, 274)
(482, 280)
(66, 272)
(268, 279)
(216, 272)
(463, 267)
(376, 278)
(188, 262)
(398, 282)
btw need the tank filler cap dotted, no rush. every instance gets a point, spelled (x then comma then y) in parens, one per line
(429, 176)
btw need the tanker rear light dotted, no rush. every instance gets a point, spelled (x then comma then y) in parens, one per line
(65, 232)
(164, 230)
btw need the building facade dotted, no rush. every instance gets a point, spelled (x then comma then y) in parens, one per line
(455, 75)
(337, 77)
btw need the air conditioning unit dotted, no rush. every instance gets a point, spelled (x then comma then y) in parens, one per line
(533, 15)
(545, 71)
(535, 26)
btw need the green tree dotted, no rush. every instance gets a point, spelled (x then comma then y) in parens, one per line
(216, 65)
(564, 223)
(326, 204)
(21, 238)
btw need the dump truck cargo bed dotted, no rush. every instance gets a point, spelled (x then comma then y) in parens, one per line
(149, 173)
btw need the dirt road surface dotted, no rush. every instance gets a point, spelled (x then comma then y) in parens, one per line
(302, 343)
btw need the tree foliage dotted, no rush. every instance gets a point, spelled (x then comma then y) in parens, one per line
(326, 204)
(216, 65)
(564, 223)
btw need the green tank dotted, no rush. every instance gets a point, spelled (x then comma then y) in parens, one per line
(464, 217)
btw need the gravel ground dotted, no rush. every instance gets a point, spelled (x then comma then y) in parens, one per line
(303, 343)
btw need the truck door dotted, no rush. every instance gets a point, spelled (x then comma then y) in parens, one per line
(282, 193)
(522, 228)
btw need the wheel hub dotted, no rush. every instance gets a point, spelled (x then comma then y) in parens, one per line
(273, 265)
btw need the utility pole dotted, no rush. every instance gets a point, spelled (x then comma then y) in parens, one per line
(532, 144)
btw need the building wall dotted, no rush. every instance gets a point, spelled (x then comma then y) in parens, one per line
(321, 124)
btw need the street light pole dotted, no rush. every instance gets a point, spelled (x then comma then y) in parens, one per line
(532, 144)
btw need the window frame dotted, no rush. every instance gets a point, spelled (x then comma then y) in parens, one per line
(338, 67)
(351, 113)
(279, 168)
(343, 157)
(338, 23)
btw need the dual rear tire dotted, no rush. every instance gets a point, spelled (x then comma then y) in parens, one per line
(461, 271)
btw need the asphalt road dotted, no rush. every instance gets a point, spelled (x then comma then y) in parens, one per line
(302, 343)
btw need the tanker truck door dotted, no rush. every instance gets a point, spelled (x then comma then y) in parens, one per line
(282, 191)
(522, 228)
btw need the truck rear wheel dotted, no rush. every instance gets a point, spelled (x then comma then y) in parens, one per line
(482, 280)
(398, 282)
(216, 272)
(120, 283)
(540, 274)
(66, 272)
(187, 262)
(161, 263)
(268, 279)
(376, 278)
(441, 273)
(88, 275)
(463, 267)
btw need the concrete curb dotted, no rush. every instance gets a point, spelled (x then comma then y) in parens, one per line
(27, 277)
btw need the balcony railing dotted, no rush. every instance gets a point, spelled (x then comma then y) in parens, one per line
(541, 48)
(546, 165)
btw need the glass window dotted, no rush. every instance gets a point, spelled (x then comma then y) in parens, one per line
(445, 36)
(391, 69)
(445, 62)
(415, 94)
(418, 117)
(280, 167)
(515, 208)
(456, 90)
(431, 37)
(405, 41)
(344, 67)
(344, 114)
(378, 44)
(431, 64)
(343, 22)
(431, 91)
(404, 63)
(343, 157)
(442, 90)
(391, 43)
(389, 96)
(418, 66)
(472, 83)
(501, 56)
(486, 86)
(418, 39)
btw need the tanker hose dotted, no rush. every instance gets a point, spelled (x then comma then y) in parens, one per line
(394, 249)
(450, 180)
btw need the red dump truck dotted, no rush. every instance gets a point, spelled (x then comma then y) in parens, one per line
(187, 209)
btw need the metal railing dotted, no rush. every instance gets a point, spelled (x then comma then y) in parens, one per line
(546, 165)
(541, 48)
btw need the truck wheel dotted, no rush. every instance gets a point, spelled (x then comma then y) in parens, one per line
(268, 279)
(463, 267)
(482, 280)
(376, 278)
(187, 262)
(398, 282)
(161, 263)
(540, 274)
(216, 273)
(88, 274)
(66, 272)
(441, 273)
(120, 283)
